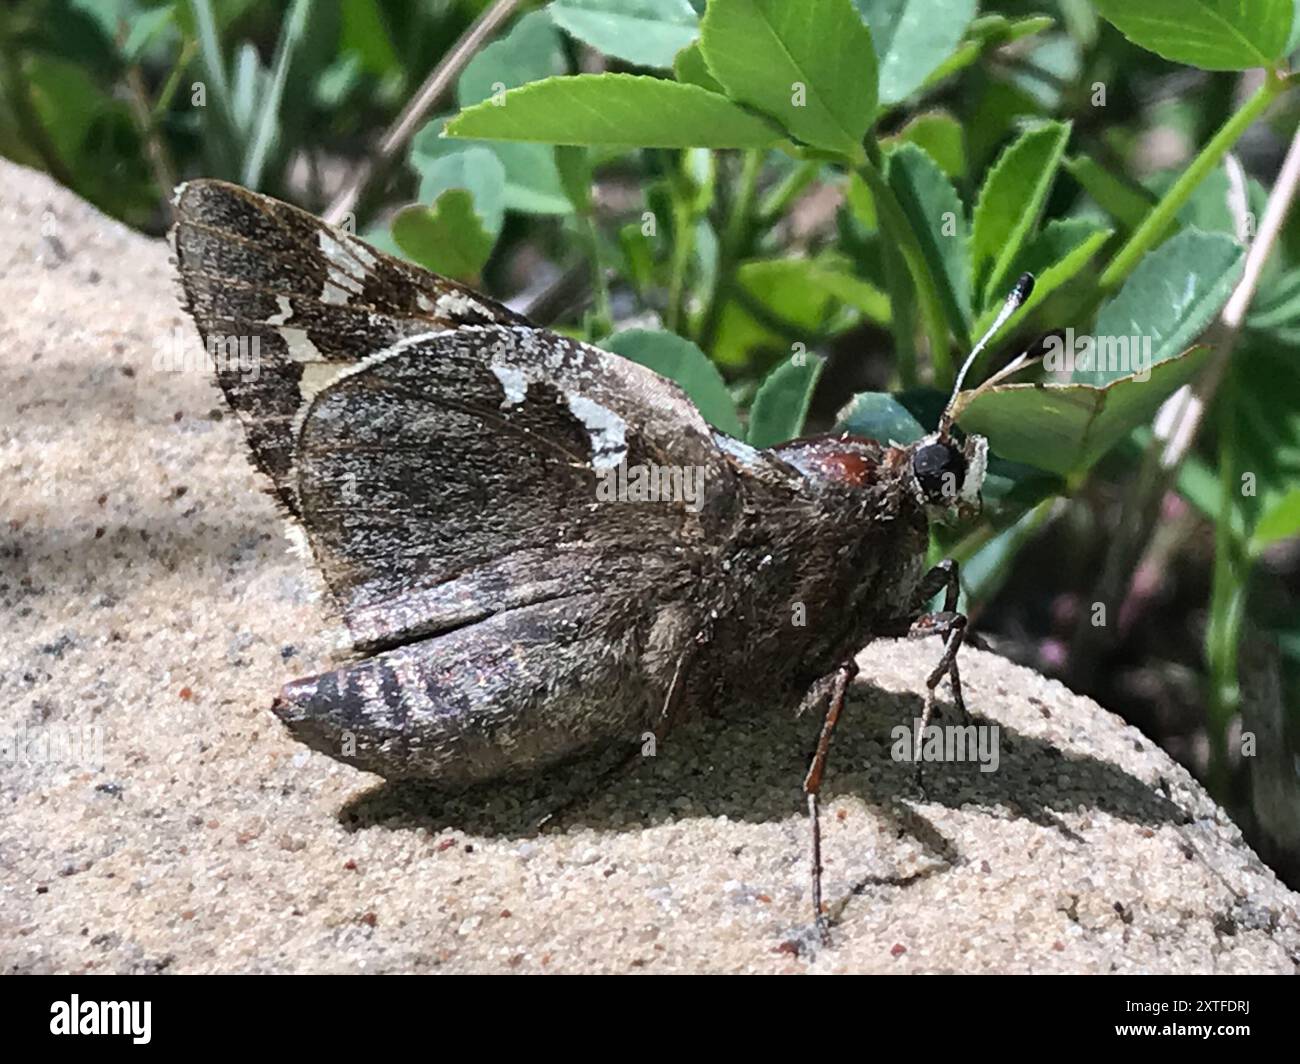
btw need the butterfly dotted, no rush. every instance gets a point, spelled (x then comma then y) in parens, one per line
(453, 471)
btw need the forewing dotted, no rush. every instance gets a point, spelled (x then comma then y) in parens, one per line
(305, 300)
(464, 473)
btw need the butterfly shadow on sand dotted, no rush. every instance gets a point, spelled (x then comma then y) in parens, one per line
(751, 769)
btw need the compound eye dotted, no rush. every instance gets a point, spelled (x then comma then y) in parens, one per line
(940, 469)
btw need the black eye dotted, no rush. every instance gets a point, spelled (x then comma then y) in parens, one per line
(940, 469)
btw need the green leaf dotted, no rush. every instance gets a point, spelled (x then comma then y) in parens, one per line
(861, 203)
(938, 218)
(1010, 202)
(786, 301)
(986, 571)
(679, 360)
(1065, 428)
(689, 67)
(574, 165)
(985, 34)
(1170, 298)
(145, 27)
(446, 237)
(810, 65)
(622, 110)
(1012, 487)
(362, 34)
(530, 52)
(851, 291)
(1210, 209)
(645, 32)
(246, 86)
(881, 417)
(1259, 409)
(999, 30)
(1210, 34)
(220, 140)
(479, 172)
(1281, 521)
(1277, 306)
(940, 136)
(638, 256)
(532, 180)
(337, 82)
(1050, 66)
(912, 38)
(67, 101)
(781, 404)
(1127, 203)
(293, 34)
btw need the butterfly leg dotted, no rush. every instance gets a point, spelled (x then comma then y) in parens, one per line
(812, 784)
(952, 627)
(943, 576)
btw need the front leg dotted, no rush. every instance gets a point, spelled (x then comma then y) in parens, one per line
(951, 626)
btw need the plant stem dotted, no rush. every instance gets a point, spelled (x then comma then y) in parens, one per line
(413, 114)
(161, 105)
(164, 174)
(898, 231)
(902, 313)
(267, 127)
(221, 137)
(731, 248)
(1177, 427)
(1226, 612)
(1192, 404)
(1163, 213)
(683, 243)
(600, 284)
(778, 201)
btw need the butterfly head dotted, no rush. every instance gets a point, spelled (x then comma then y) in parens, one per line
(948, 474)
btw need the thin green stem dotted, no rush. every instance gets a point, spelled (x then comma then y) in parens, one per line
(731, 247)
(163, 104)
(898, 231)
(902, 313)
(683, 244)
(1155, 223)
(778, 201)
(1227, 606)
(604, 311)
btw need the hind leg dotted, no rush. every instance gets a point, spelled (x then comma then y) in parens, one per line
(812, 785)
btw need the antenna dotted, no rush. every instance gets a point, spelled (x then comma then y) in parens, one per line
(1022, 290)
